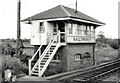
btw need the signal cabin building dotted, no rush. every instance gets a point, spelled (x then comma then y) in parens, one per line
(71, 29)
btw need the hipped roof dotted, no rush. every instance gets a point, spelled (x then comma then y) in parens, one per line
(62, 12)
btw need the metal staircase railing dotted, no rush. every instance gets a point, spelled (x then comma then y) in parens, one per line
(40, 66)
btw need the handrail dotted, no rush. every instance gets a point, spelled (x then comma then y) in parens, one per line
(43, 54)
(35, 55)
(39, 48)
(50, 44)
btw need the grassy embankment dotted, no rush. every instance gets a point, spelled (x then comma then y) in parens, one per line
(104, 54)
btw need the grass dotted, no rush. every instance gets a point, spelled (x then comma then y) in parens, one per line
(102, 53)
(106, 54)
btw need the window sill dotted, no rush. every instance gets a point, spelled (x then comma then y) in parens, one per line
(77, 60)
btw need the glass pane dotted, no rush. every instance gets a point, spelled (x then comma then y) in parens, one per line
(74, 29)
(69, 29)
(41, 27)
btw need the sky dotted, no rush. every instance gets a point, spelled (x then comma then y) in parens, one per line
(105, 11)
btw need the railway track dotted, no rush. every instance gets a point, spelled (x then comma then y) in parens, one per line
(89, 74)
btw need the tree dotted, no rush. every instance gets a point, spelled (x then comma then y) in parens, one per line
(101, 37)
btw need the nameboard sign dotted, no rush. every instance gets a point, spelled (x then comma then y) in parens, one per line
(82, 39)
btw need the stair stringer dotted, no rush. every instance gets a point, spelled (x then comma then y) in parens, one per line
(49, 60)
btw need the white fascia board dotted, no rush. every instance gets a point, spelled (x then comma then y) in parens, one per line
(87, 21)
(67, 18)
(54, 19)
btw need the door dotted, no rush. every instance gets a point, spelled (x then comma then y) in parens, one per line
(61, 27)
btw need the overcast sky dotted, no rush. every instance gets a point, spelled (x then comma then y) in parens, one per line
(104, 10)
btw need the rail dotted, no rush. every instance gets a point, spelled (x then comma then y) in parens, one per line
(43, 54)
(39, 51)
(73, 74)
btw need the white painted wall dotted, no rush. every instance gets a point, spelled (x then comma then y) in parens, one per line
(49, 30)
(38, 38)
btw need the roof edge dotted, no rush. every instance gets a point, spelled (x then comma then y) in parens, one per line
(88, 20)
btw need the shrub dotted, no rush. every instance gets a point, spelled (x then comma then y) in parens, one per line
(14, 65)
(7, 49)
(53, 68)
(114, 45)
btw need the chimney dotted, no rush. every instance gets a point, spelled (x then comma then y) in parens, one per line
(76, 7)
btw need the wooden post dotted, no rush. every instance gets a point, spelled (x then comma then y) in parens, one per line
(29, 67)
(119, 34)
(59, 36)
(18, 25)
(39, 53)
(39, 69)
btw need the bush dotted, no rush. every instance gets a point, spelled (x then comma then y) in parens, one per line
(114, 45)
(7, 49)
(53, 68)
(14, 65)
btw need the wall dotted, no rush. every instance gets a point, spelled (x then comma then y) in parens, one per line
(72, 49)
(38, 38)
(67, 56)
(49, 30)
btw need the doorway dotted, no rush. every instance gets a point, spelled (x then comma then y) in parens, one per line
(61, 27)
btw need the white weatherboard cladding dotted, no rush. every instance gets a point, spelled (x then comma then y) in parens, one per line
(49, 29)
(37, 38)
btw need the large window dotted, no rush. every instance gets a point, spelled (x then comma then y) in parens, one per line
(81, 30)
(41, 27)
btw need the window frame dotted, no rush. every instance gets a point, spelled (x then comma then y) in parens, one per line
(41, 27)
(78, 57)
(70, 29)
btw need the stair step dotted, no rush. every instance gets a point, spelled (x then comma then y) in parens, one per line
(49, 53)
(40, 66)
(42, 63)
(46, 58)
(36, 68)
(35, 73)
(53, 46)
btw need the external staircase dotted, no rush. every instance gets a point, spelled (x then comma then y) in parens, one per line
(39, 67)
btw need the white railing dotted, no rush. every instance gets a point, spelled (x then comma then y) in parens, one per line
(38, 51)
(44, 52)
